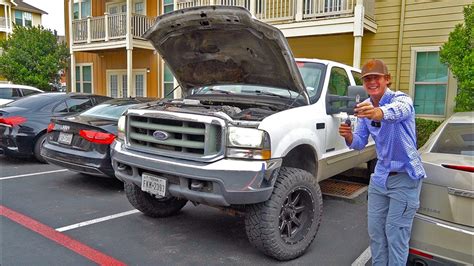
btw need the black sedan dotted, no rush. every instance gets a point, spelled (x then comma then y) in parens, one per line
(23, 122)
(81, 143)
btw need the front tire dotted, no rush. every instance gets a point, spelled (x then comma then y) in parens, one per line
(150, 205)
(285, 225)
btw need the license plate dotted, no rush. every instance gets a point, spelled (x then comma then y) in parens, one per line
(65, 138)
(154, 185)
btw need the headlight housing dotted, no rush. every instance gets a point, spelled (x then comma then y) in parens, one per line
(248, 143)
(121, 128)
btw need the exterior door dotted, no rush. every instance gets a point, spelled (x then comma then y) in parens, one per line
(117, 85)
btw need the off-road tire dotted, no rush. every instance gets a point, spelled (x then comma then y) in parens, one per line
(150, 205)
(37, 149)
(263, 220)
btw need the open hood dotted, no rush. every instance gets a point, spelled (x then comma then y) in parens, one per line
(215, 45)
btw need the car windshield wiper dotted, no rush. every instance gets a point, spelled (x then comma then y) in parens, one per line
(214, 90)
(273, 94)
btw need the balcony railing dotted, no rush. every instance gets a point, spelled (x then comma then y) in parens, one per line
(280, 11)
(109, 27)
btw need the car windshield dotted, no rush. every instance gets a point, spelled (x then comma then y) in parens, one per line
(245, 89)
(109, 110)
(456, 138)
(310, 72)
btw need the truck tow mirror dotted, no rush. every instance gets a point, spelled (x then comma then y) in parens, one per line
(336, 103)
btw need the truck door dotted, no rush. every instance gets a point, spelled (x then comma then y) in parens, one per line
(337, 85)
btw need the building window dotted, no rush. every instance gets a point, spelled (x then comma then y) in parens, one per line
(168, 81)
(23, 18)
(124, 86)
(430, 84)
(81, 9)
(139, 85)
(84, 78)
(139, 8)
(168, 6)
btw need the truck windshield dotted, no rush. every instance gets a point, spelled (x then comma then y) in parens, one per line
(312, 74)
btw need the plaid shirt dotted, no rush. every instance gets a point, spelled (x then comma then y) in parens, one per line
(394, 136)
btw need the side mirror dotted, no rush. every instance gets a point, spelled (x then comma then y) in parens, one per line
(336, 104)
(357, 94)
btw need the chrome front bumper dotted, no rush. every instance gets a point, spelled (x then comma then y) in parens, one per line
(221, 183)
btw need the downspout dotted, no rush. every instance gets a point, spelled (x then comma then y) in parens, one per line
(72, 69)
(400, 43)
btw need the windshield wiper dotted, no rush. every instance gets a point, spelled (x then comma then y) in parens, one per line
(272, 94)
(213, 90)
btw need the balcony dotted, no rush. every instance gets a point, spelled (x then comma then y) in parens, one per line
(289, 11)
(109, 28)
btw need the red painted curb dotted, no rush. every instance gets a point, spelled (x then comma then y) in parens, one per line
(60, 238)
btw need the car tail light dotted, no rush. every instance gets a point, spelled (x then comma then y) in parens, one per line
(465, 168)
(50, 127)
(97, 137)
(13, 120)
(421, 254)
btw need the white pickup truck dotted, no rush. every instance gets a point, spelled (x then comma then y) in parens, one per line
(256, 131)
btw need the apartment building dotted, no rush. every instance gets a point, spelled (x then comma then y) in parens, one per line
(109, 57)
(19, 13)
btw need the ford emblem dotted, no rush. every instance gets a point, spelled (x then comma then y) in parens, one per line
(161, 135)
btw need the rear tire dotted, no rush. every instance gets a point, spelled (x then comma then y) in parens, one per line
(37, 149)
(150, 205)
(285, 225)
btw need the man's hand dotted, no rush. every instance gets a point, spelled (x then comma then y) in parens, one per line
(346, 132)
(367, 110)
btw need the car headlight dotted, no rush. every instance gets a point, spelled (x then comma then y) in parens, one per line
(121, 128)
(248, 143)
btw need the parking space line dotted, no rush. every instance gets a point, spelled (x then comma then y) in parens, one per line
(363, 258)
(40, 173)
(94, 221)
(60, 238)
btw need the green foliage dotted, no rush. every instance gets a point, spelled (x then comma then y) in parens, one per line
(32, 56)
(458, 53)
(424, 128)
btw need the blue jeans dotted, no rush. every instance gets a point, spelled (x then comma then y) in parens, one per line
(390, 216)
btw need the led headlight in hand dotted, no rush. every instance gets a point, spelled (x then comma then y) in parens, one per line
(248, 143)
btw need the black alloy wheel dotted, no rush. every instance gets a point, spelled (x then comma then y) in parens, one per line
(296, 215)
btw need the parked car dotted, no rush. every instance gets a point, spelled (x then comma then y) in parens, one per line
(23, 122)
(443, 228)
(11, 92)
(81, 142)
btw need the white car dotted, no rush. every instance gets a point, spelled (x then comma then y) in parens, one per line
(11, 92)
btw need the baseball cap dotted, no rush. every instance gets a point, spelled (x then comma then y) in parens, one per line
(374, 67)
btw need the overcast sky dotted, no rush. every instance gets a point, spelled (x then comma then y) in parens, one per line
(54, 20)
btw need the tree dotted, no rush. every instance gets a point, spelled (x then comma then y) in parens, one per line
(32, 56)
(458, 53)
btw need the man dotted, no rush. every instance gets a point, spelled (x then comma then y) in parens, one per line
(394, 189)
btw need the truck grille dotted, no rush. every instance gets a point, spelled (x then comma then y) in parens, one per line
(179, 138)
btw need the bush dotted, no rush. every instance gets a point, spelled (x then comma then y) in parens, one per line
(424, 128)
(458, 53)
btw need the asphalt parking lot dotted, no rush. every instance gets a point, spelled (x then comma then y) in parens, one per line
(51, 216)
